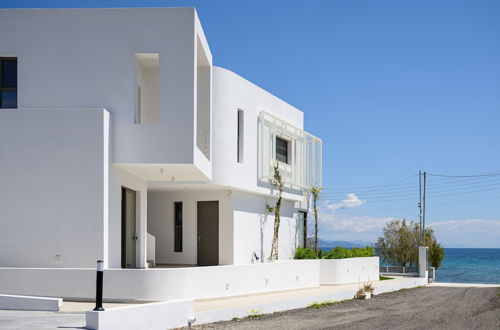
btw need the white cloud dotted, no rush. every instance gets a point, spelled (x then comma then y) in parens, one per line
(349, 202)
(357, 224)
(468, 225)
(451, 233)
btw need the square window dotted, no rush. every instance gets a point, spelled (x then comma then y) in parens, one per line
(282, 150)
(8, 100)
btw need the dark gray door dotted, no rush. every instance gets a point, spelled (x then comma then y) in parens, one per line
(129, 234)
(208, 233)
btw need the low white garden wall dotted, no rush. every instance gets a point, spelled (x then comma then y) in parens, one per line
(162, 284)
(153, 316)
(349, 270)
(187, 283)
(29, 303)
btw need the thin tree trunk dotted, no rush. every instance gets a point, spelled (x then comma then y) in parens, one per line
(278, 183)
(316, 247)
(274, 249)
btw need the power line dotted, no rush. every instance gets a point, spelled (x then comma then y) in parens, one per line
(496, 173)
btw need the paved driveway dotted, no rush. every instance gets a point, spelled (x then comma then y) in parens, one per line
(41, 320)
(421, 308)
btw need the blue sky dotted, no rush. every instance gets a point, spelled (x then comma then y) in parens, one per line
(391, 87)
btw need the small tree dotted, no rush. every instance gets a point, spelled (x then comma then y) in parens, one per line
(400, 241)
(277, 183)
(436, 254)
(396, 245)
(315, 195)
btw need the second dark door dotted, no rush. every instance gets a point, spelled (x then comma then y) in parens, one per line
(208, 233)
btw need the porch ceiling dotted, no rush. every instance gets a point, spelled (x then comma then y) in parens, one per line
(174, 173)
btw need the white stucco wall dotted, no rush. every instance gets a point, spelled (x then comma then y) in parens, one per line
(80, 58)
(53, 174)
(163, 283)
(161, 224)
(230, 94)
(254, 228)
(349, 270)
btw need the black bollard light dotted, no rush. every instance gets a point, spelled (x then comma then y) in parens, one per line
(98, 291)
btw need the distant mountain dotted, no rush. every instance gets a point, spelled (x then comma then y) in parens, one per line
(323, 243)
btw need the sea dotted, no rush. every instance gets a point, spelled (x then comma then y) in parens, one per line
(470, 266)
(467, 265)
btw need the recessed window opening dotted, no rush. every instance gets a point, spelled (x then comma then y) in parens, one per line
(240, 137)
(282, 150)
(147, 98)
(178, 227)
(8, 82)
(203, 99)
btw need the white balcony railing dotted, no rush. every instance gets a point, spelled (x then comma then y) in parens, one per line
(303, 170)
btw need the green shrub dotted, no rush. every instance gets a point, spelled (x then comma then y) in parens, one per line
(326, 303)
(342, 253)
(305, 253)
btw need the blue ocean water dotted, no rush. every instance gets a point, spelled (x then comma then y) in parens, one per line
(470, 266)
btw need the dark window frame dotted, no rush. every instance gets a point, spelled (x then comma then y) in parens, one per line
(278, 155)
(178, 224)
(8, 89)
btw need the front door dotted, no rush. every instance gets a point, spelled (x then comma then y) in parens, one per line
(208, 233)
(129, 233)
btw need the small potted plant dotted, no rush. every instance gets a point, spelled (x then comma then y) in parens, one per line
(365, 292)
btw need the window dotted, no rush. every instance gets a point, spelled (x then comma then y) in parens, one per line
(147, 107)
(282, 150)
(240, 137)
(178, 227)
(8, 82)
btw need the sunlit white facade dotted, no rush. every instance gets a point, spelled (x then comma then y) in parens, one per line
(126, 144)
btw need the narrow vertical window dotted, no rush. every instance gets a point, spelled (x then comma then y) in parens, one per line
(240, 137)
(178, 227)
(8, 83)
(147, 107)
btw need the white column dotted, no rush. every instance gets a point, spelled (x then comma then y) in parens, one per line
(422, 261)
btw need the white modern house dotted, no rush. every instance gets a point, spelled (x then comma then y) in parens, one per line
(120, 141)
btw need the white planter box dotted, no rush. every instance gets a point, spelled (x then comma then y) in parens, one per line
(349, 270)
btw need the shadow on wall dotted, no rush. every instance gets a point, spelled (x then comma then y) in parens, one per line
(262, 222)
(272, 190)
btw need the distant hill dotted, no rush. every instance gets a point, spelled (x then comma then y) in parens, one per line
(323, 243)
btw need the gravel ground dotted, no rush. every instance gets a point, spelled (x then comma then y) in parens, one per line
(420, 308)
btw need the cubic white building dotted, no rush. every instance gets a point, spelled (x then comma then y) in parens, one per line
(120, 141)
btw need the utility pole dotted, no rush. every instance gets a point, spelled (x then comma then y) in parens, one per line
(423, 213)
(420, 204)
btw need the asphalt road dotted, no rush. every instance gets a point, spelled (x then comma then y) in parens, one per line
(420, 308)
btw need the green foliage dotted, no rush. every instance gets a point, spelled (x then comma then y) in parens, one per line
(254, 314)
(325, 303)
(436, 254)
(385, 278)
(400, 241)
(305, 253)
(342, 253)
